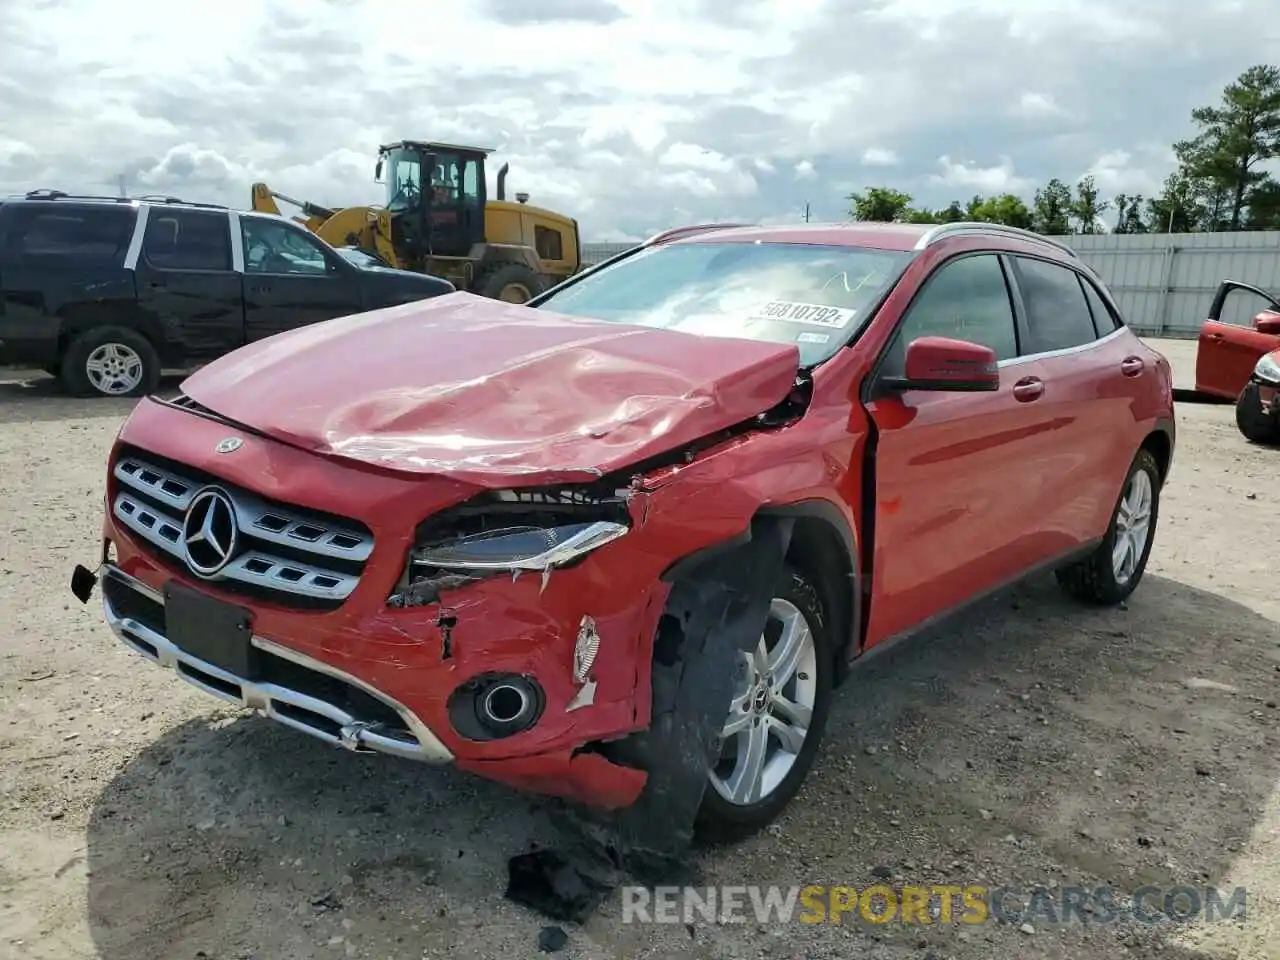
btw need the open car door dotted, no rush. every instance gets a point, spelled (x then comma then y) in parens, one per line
(1227, 352)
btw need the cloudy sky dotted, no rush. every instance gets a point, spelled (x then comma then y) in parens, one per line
(631, 115)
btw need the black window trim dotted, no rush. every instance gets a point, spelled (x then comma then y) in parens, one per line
(231, 244)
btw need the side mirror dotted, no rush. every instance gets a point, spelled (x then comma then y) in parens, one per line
(943, 364)
(377, 172)
(1268, 321)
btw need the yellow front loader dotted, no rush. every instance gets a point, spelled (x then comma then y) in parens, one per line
(439, 220)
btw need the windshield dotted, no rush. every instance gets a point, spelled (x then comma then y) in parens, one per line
(404, 179)
(816, 297)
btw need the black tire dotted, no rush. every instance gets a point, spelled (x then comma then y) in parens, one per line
(507, 276)
(75, 377)
(1256, 426)
(1093, 579)
(721, 821)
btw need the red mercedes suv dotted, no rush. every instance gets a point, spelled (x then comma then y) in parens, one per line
(620, 544)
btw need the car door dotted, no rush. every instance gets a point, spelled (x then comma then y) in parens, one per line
(1227, 352)
(292, 279)
(1091, 378)
(187, 281)
(954, 480)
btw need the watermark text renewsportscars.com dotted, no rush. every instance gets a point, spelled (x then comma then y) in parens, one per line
(969, 904)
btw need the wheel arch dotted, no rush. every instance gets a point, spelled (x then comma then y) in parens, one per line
(1159, 442)
(820, 542)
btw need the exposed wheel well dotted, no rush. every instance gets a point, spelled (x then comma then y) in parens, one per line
(1161, 448)
(819, 551)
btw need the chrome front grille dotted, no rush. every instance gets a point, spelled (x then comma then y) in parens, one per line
(286, 554)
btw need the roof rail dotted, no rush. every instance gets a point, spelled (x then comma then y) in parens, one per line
(945, 231)
(45, 193)
(686, 231)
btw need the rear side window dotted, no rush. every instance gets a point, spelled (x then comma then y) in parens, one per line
(1104, 321)
(187, 240)
(1058, 315)
(70, 236)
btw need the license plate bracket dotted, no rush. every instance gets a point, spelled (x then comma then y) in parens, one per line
(217, 632)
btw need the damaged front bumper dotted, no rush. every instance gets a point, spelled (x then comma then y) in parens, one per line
(317, 699)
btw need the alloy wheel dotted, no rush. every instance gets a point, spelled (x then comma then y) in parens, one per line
(114, 369)
(771, 711)
(1133, 526)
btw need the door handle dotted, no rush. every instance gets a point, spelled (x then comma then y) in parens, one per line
(1132, 366)
(157, 284)
(1215, 337)
(1028, 389)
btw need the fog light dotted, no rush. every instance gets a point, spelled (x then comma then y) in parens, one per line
(494, 706)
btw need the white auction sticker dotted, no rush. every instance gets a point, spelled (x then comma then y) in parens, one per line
(813, 338)
(820, 315)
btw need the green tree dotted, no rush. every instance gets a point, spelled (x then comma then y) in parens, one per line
(1086, 208)
(1005, 208)
(1264, 206)
(879, 204)
(1235, 139)
(1129, 214)
(1051, 209)
(1180, 206)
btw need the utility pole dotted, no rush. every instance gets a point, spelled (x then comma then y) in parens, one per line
(123, 194)
(806, 211)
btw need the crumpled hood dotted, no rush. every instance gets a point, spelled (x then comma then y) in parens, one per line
(486, 391)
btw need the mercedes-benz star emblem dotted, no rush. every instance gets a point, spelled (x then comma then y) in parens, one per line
(209, 532)
(229, 445)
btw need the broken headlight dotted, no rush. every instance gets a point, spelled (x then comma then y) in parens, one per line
(519, 548)
(508, 532)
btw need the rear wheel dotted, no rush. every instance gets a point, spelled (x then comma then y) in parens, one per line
(782, 691)
(110, 362)
(511, 282)
(1256, 425)
(1115, 569)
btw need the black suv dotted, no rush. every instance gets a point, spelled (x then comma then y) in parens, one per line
(104, 293)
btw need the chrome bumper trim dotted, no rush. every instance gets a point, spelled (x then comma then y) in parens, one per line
(355, 734)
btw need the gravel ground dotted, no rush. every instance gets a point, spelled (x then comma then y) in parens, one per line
(1031, 742)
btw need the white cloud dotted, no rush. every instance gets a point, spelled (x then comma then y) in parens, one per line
(630, 115)
(879, 157)
(1038, 105)
(968, 175)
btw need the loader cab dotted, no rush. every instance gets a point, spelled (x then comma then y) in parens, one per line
(436, 196)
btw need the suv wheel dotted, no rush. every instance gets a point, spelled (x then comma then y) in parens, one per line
(1254, 425)
(1113, 571)
(110, 362)
(775, 723)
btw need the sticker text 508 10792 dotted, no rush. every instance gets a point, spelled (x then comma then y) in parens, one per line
(820, 315)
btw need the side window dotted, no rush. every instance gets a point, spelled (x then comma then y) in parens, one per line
(76, 237)
(470, 185)
(1104, 321)
(1057, 313)
(967, 299)
(187, 240)
(271, 247)
(548, 243)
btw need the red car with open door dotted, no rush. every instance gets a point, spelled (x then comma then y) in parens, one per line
(1242, 363)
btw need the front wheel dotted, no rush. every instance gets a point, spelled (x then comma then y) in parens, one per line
(782, 691)
(1254, 423)
(511, 282)
(1113, 571)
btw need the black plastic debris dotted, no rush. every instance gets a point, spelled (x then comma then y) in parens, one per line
(547, 882)
(552, 940)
